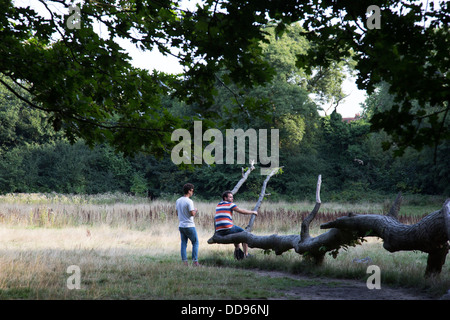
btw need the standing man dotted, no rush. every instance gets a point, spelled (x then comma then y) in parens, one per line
(224, 219)
(186, 213)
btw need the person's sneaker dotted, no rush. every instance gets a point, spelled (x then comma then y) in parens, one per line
(238, 254)
(196, 264)
(185, 263)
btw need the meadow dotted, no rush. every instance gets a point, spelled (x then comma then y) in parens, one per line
(128, 248)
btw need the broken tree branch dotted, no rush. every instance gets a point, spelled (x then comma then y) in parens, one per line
(244, 177)
(396, 206)
(446, 213)
(260, 199)
(304, 233)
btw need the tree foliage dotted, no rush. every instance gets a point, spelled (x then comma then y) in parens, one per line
(87, 83)
(247, 64)
(409, 52)
(351, 159)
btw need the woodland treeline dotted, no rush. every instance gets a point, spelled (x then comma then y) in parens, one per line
(354, 161)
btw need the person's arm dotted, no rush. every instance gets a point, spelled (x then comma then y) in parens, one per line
(192, 210)
(245, 211)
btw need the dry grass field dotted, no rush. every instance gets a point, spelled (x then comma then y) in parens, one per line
(128, 248)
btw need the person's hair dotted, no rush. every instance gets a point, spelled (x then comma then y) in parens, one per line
(225, 194)
(187, 187)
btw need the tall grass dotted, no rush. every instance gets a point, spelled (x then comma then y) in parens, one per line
(58, 211)
(118, 263)
(128, 247)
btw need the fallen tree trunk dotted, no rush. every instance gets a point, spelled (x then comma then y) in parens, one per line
(430, 235)
(274, 242)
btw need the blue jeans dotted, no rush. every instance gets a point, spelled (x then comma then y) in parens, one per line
(191, 234)
(233, 229)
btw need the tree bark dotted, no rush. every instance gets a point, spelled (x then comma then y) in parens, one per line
(428, 235)
(262, 194)
(446, 213)
(274, 242)
(245, 175)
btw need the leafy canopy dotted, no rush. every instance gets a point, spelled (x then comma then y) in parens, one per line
(89, 86)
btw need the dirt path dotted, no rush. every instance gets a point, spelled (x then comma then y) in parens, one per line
(342, 289)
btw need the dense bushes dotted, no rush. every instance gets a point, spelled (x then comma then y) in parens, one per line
(349, 157)
(65, 168)
(353, 164)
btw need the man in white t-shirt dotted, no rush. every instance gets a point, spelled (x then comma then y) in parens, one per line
(186, 213)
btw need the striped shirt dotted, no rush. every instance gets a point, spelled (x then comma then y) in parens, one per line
(224, 215)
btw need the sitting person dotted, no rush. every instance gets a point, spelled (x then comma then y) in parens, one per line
(224, 219)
